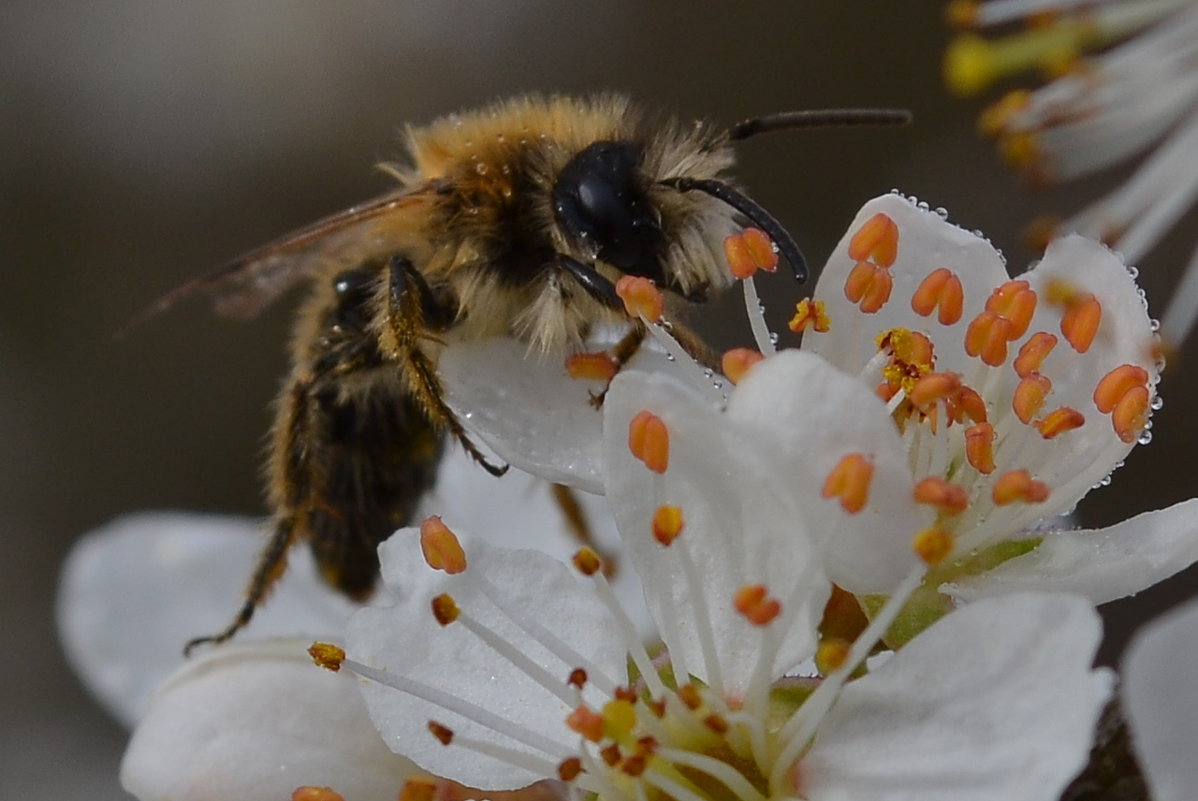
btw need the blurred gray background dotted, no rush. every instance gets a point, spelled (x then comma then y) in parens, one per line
(144, 143)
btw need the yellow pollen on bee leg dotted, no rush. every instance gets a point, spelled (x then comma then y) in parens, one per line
(979, 447)
(1018, 486)
(736, 363)
(849, 481)
(445, 609)
(649, 441)
(598, 366)
(667, 524)
(1029, 396)
(440, 546)
(810, 314)
(876, 240)
(587, 562)
(1130, 414)
(932, 545)
(327, 655)
(1033, 353)
(418, 789)
(947, 497)
(641, 298)
(316, 794)
(942, 290)
(753, 602)
(1059, 421)
(987, 337)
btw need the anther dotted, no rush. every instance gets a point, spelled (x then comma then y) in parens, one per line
(641, 298)
(987, 338)
(587, 562)
(1014, 301)
(1130, 414)
(1029, 396)
(717, 723)
(737, 362)
(1058, 422)
(1018, 485)
(935, 491)
(611, 754)
(567, 770)
(1115, 384)
(934, 387)
(754, 603)
(445, 609)
(619, 718)
(587, 723)
(418, 789)
(649, 441)
(1033, 353)
(327, 655)
(316, 794)
(634, 766)
(667, 524)
(1082, 314)
(932, 545)
(849, 481)
(997, 116)
(868, 286)
(830, 654)
(811, 314)
(942, 290)
(966, 403)
(578, 678)
(440, 546)
(689, 695)
(876, 240)
(598, 366)
(750, 251)
(626, 694)
(979, 447)
(443, 733)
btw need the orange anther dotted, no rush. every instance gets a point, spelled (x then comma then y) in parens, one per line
(849, 481)
(831, 654)
(1029, 396)
(736, 363)
(754, 603)
(948, 498)
(443, 733)
(1014, 301)
(934, 387)
(667, 524)
(578, 678)
(877, 240)
(599, 366)
(1115, 384)
(634, 766)
(810, 314)
(979, 447)
(441, 548)
(1130, 414)
(932, 545)
(316, 794)
(587, 562)
(1034, 352)
(868, 286)
(717, 723)
(887, 390)
(1058, 422)
(750, 251)
(445, 609)
(1079, 323)
(611, 754)
(942, 290)
(327, 655)
(1018, 485)
(586, 722)
(689, 693)
(987, 338)
(966, 403)
(418, 789)
(641, 298)
(567, 770)
(649, 441)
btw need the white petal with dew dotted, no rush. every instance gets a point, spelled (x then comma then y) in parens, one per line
(997, 700)
(406, 641)
(1102, 564)
(741, 528)
(1160, 696)
(254, 721)
(809, 416)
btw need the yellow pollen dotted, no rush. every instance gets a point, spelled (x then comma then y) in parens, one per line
(1058, 422)
(1029, 396)
(1014, 301)
(810, 314)
(316, 794)
(987, 338)
(736, 363)
(641, 298)
(1034, 352)
(932, 545)
(567, 770)
(667, 524)
(444, 734)
(597, 366)
(754, 603)
(750, 251)
(445, 609)
(979, 447)
(587, 723)
(876, 240)
(440, 546)
(587, 562)
(1018, 485)
(831, 654)
(327, 655)
(418, 789)
(849, 481)
(1117, 383)
(935, 491)
(942, 290)
(868, 286)
(649, 441)
(1130, 414)
(619, 718)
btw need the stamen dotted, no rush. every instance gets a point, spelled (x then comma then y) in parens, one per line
(810, 314)
(849, 481)
(876, 240)
(316, 794)
(736, 363)
(418, 789)
(1029, 396)
(1082, 313)
(987, 337)
(577, 679)
(1034, 352)
(948, 498)
(567, 769)
(750, 251)
(649, 441)
(979, 447)
(966, 403)
(757, 323)
(933, 388)
(444, 734)
(597, 366)
(586, 722)
(327, 655)
(667, 524)
(587, 562)
(932, 545)
(868, 286)
(1130, 414)
(755, 605)
(942, 290)
(1058, 422)
(445, 609)
(1117, 383)
(641, 298)
(440, 546)
(1014, 301)
(739, 787)
(1018, 485)
(831, 654)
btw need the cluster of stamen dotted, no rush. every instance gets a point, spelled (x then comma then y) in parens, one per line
(874, 249)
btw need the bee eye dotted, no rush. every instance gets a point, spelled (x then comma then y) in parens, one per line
(600, 202)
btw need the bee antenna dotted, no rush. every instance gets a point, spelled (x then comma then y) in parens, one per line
(818, 118)
(760, 217)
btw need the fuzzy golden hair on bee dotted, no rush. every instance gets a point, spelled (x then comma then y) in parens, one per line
(514, 220)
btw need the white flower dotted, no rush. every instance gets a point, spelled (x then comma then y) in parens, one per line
(520, 668)
(1140, 95)
(1160, 696)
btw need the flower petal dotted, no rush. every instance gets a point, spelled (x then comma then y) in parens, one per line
(255, 721)
(997, 700)
(1102, 564)
(1160, 696)
(740, 528)
(809, 416)
(405, 641)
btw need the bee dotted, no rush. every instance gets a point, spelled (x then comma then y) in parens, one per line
(514, 220)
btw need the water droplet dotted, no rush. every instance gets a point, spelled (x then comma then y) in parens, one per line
(480, 168)
(670, 357)
(1154, 325)
(707, 371)
(718, 384)
(895, 191)
(923, 206)
(1133, 272)
(773, 338)
(941, 212)
(1157, 404)
(1106, 481)
(1145, 437)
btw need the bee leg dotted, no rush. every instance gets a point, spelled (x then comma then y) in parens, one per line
(576, 521)
(410, 304)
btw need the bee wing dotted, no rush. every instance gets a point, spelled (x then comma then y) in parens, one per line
(249, 283)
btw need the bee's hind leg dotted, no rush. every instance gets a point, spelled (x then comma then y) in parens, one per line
(412, 310)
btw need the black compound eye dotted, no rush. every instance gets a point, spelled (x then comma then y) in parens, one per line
(599, 200)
